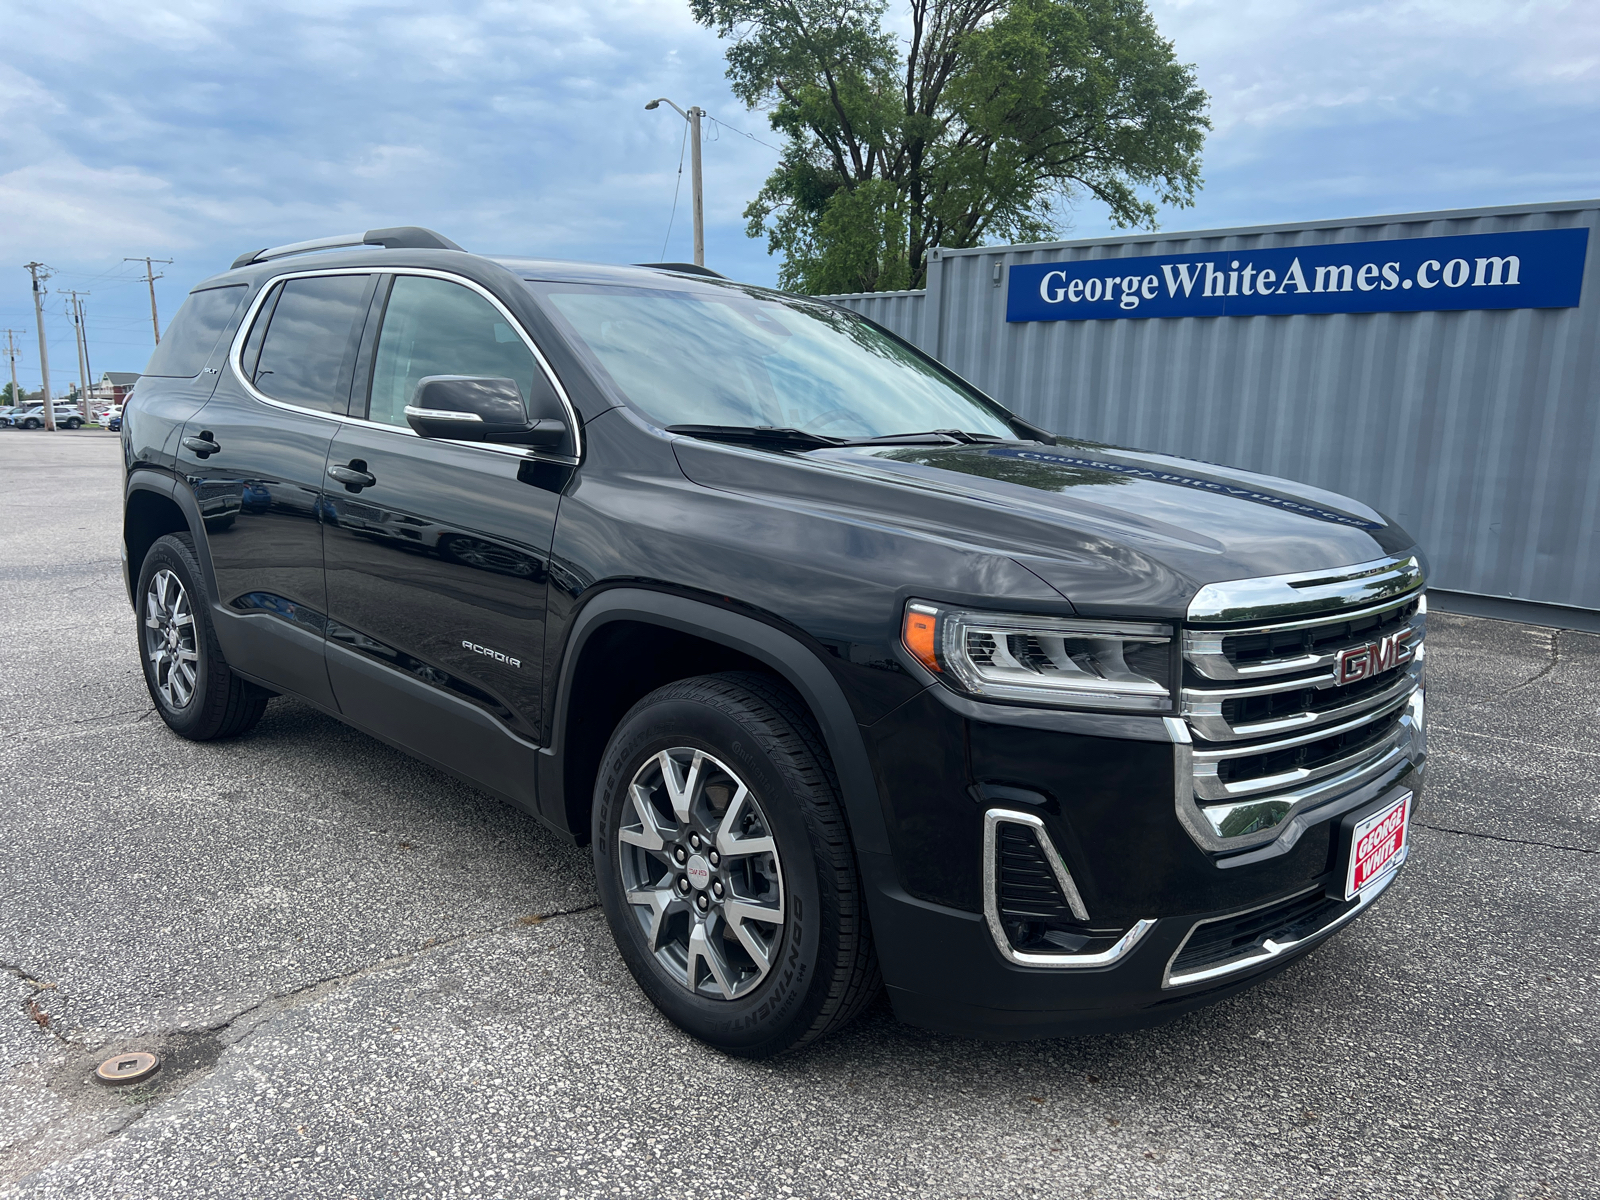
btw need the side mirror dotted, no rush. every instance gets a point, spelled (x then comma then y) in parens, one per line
(479, 408)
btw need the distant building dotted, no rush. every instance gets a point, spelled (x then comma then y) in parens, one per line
(115, 385)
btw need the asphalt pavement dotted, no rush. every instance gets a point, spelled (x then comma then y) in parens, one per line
(368, 980)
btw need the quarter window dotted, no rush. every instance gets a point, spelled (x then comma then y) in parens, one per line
(193, 334)
(435, 327)
(310, 343)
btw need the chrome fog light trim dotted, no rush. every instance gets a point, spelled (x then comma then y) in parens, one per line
(1065, 960)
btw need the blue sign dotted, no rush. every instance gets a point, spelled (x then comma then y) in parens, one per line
(1540, 268)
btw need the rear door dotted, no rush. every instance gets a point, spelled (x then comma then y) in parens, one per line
(437, 569)
(255, 457)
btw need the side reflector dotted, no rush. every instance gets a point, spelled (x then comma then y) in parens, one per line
(918, 635)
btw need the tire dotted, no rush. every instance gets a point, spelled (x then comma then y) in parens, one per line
(32, 423)
(188, 679)
(818, 969)
(74, 423)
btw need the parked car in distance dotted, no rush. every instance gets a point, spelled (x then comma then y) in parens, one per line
(33, 417)
(850, 677)
(112, 418)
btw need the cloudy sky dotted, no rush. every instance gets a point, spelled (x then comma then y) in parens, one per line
(193, 130)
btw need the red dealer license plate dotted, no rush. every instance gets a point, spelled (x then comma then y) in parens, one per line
(1376, 845)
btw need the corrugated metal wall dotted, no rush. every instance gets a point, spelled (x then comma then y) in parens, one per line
(1477, 431)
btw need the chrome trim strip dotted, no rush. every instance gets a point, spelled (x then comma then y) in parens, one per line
(1306, 592)
(441, 414)
(992, 820)
(1204, 709)
(1299, 739)
(243, 333)
(1270, 949)
(1202, 648)
(1386, 753)
(1209, 788)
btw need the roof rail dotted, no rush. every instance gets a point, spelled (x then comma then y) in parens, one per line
(684, 269)
(399, 237)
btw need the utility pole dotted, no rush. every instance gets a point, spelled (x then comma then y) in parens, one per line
(83, 351)
(11, 353)
(34, 269)
(150, 278)
(693, 117)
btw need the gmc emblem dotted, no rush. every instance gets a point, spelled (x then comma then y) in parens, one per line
(1363, 662)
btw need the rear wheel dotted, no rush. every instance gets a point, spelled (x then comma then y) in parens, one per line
(188, 679)
(725, 867)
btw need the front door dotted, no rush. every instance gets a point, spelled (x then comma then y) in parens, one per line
(437, 568)
(255, 456)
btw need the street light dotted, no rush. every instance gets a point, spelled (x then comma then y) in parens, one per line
(693, 117)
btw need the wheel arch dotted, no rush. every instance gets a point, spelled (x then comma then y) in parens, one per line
(591, 699)
(157, 504)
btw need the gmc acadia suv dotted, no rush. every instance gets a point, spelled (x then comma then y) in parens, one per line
(851, 677)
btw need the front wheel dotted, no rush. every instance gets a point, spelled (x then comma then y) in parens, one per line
(725, 866)
(188, 679)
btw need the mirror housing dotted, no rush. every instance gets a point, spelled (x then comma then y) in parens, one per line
(479, 408)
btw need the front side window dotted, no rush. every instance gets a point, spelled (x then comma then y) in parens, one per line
(435, 327)
(193, 334)
(309, 347)
(730, 355)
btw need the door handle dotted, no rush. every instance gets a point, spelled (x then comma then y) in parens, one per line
(203, 446)
(354, 477)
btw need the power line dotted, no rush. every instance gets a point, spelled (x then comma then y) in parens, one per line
(684, 145)
(742, 133)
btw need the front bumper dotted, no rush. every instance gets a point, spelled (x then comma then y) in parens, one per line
(951, 971)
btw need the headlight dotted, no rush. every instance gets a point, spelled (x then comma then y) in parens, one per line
(1121, 665)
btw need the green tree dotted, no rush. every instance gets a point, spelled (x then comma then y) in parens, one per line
(10, 394)
(983, 125)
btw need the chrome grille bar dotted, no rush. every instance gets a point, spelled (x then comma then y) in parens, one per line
(1271, 737)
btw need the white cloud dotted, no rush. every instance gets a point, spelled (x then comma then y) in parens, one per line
(194, 130)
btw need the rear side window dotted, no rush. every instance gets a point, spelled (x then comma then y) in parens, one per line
(193, 334)
(435, 327)
(310, 343)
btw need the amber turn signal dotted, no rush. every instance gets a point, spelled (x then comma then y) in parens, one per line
(918, 635)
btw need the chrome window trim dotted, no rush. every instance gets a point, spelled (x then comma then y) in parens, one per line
(1270, 949)
(243, 332)
(1310, 593)
(992, 820)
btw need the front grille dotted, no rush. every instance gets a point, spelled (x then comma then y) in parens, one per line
(1311, 756)
(1261, 646)
(1275, 722)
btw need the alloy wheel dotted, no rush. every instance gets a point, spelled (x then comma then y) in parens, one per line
(169, 639)
(700, 869)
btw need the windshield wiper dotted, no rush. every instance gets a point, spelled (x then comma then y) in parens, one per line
(758, 435)
(932, 437)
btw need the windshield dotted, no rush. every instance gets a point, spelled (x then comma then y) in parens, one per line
(732, 356)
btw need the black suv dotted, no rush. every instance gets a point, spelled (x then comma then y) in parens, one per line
(851, 677)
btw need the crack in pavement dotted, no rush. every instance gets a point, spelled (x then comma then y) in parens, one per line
(1555, 658)
(1515, 741)
(1496, 837)
(226, 1034)
(30, 1005)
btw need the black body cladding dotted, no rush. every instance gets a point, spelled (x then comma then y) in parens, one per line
(496, 606)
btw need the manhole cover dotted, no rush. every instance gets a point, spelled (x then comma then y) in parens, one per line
(128, 1068)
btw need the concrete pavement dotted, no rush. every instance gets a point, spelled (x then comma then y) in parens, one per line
(369, 980)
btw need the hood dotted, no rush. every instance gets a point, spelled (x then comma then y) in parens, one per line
(1114, 531)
